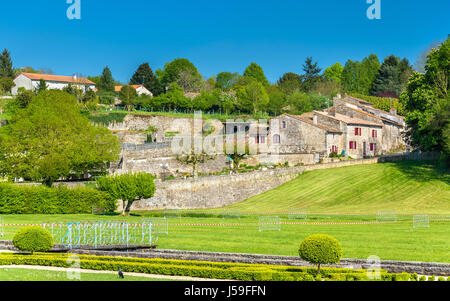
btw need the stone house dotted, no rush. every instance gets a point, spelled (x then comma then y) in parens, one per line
(30, 81)
(293, 134)
(393, 124)
(360, 138)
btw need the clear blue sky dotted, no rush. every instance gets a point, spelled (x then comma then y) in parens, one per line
(215, 35)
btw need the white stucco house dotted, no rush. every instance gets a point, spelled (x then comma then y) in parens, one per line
(30, 81)
(140, 90)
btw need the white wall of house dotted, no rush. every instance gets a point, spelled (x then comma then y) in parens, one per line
(24, 82)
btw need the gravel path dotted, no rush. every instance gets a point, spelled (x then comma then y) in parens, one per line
(46, 268)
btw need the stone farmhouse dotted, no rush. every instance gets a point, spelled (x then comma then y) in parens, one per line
(30, 81)
(352, 127)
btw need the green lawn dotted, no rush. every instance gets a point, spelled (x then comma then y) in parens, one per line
(405, 187)
(358, 192)
(19, 274)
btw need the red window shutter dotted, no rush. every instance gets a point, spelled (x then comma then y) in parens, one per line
(356, 131)
(351, 144)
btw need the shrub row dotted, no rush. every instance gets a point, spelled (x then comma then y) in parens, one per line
(17, 199)
(233, 271)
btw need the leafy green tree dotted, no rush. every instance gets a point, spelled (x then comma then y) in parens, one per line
(350, 77)
(51, 139)
(334, 73)
(290, 82)
(427, 103)
(299, 103)
(311, 74)
(252, 97)
(42, 86)
(256, 72)
(6, 84)
(128, 95)
(226, 80)
(128, 188)
(180, 67)
(24, 97)
(106, 81)
(392, 76)
(6, 65)
(370, 67)
(277, 100)
(144, 76)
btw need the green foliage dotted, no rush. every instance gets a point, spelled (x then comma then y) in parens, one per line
(392, 76)
(427, 103)
(24, 97)
(383, 103)
(106, 81)
(50, 139)
(357, 77)
(290, 82)
(106, 98)
(182, 72)
(107, 118)
(252, 97)
(42, 86)
(311, 74)
(334, 73)
(6, 84)
(226, 80)
(56, 200)
(128, 188)
(144, 76)
(33, 239)
(255, 72)
(320, 249)
(128, 96)
(6, 65)
(299, 103)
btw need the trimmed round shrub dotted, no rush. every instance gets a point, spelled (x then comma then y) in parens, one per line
(320, 249)
(33, 239)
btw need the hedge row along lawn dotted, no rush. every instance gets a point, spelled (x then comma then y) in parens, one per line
(212, 270)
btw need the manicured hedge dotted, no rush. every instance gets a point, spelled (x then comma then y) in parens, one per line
(33, 239)
(212, 270)
(16, 199)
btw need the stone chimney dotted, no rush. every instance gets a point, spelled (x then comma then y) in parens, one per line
(315, 119)
(393, 111)
(332, 112)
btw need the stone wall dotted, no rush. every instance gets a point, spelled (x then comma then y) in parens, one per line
(220, 191)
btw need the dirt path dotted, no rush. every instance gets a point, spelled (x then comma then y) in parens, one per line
(46, 268)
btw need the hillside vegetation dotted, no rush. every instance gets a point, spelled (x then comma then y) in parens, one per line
(407, 187)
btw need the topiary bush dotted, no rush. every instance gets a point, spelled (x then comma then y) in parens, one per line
(320, 249)
(33, 239)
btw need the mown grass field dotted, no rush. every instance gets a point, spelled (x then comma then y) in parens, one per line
(356, 192)
(406, 187)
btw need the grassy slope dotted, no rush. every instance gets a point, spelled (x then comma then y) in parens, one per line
(406, 187)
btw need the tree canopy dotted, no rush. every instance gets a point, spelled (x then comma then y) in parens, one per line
(144, 76)
(106, 81)
(51, 139)
(256, 72)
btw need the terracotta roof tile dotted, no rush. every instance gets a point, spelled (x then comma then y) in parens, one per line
(58, 78)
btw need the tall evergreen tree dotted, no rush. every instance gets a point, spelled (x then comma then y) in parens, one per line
(106, 82)
(6, 65)
(144, 76)
(392, 76)
(311, 74)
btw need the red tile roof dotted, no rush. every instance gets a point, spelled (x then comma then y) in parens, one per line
(350, 120)
(58, 78)
(119, 88)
